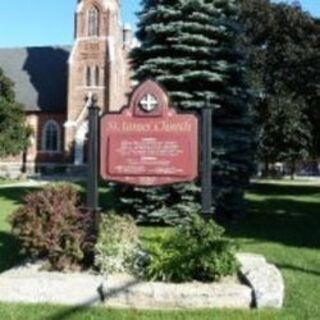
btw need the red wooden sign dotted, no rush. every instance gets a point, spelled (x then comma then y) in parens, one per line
(148, 143)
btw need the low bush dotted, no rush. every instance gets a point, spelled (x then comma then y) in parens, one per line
(118, 249)
(197, 250)
(50, 225)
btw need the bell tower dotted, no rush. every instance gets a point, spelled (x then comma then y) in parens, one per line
(98, 65)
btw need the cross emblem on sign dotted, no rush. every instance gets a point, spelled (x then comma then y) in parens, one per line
(148, 103)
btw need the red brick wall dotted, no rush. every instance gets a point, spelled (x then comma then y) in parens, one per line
(34, 153)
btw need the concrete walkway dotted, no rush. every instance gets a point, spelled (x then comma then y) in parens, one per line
(22, 184)
(40, 182)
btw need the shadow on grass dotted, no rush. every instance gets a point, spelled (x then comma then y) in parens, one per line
(299, 269)
(273, 217)
(269, 189)
(15, 194)
(9, 244)
(9, 251)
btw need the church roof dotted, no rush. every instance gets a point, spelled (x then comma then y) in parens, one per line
(39, 75)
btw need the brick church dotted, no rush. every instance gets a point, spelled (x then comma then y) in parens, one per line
(55, 83)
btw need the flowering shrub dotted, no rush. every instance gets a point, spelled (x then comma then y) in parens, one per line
(50, 225)
(117, 248)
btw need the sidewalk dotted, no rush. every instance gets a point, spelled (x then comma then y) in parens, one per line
(41, 181)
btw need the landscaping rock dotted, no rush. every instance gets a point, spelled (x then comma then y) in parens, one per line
(27, 284)
(265, 280)
(127, 293)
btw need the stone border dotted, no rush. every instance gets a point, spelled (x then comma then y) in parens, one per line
(26, 284)
(156, 295)
(265, 280)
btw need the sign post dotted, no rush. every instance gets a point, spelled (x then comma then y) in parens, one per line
(206, 162)
(93, 151)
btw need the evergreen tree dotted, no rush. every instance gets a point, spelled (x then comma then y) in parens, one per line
(13, 130)
(190, 47)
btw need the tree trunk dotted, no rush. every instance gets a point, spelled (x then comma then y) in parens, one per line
(266, 169)
(292, 169)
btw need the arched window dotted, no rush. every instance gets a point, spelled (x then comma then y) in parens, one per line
(93, 22)
(92, 76)
(97, 76)
(88, 77)
(51, 136)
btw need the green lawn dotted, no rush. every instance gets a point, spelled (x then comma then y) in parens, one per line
(6, 181)
(283, 223)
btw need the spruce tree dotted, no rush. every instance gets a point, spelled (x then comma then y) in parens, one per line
(13, 130)
(190, 47)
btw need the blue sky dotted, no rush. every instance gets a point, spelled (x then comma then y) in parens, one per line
(44, 22)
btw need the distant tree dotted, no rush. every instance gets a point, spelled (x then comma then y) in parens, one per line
(13, 130)
(283, 43)
(285, 135)
(191, 48)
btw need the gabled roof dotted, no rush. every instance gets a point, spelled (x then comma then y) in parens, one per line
(40, 75)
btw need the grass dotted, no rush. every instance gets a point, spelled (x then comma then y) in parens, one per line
(283, 224)
(6, 181)
(45, 312)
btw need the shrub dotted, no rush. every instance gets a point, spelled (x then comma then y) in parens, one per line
(117, 248)
(197, 250)
(50, 225)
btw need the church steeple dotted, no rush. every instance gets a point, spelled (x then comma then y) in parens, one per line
(98, 63)
(96, 18)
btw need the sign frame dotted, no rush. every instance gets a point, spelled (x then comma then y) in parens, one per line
(165, 110)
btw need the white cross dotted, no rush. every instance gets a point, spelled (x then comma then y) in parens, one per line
(148, 102)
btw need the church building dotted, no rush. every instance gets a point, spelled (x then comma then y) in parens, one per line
(54, 84)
